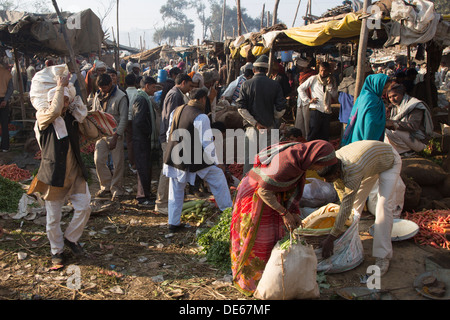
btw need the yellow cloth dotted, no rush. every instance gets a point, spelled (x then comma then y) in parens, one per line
(316, 34)
(259, 50)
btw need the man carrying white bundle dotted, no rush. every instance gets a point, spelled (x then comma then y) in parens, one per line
(62, 175)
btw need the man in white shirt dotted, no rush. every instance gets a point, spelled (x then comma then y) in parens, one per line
(323, 89)
(183, 165)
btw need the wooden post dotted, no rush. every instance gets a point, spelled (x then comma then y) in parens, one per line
(81, 81)
(222, 28)
(262, 15)
(296, 12)
(362, 48)
(118, 43)
(275, 12)
(271, 55)
(239, 17)
(21, 90)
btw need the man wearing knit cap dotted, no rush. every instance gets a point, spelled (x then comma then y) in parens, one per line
(261, 102)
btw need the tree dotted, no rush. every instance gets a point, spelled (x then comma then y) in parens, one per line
(249, 24)
(177, 26)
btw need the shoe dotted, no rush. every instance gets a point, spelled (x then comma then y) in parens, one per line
(177, 228)
(146, 203)
(77, 250)
(383, 264)
(102, 194)
(58, 259)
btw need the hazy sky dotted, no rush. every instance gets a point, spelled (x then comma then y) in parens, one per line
(138, 15)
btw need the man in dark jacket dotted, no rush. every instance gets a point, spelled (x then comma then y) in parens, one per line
(144, 138)
(169, 83)
(175, 97)
(261, 102)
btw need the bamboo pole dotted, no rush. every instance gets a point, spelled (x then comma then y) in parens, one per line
(296, 13)
(362, 48)
(222, 28)
(239, 17)
(275, 12)
(81, 81)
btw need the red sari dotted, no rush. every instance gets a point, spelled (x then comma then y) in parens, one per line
(256, 227)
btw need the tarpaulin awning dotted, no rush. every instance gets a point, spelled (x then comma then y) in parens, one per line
(148, 55)
(320, 33)
(41, 33)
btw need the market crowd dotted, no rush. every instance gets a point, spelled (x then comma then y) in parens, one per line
(388, 121)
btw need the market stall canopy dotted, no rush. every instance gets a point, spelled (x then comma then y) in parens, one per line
(111, 44)
(400, 24)
(41, 33)
(145, 56)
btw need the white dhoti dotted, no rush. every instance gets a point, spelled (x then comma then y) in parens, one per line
(213, 175)
(402, 142)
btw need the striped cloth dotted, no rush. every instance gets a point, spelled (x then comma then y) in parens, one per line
(104, 122)
(360, 160)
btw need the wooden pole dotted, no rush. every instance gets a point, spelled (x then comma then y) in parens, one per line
(296, 13)
(81, 81)
(222, 28)
(268, 19)
(263, 15)
(21, 90)
(275, 12)
(362, 48)
(239, 17)
(118, 43)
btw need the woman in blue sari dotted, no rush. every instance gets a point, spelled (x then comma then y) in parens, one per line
(368, 117)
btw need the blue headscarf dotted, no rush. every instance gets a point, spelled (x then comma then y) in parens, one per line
(368, 117)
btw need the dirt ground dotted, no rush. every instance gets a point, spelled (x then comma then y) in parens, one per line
(131, 255)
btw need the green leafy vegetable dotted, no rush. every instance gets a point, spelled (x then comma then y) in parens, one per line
(10, 194)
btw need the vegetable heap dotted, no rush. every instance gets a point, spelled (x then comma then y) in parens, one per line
(196, 211)
(434, 226)
(216, 242)
(14, 173)
(10, 194)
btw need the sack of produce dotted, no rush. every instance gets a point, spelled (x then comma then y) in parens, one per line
(290, 273)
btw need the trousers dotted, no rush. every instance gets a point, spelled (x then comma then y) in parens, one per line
(110, 181)
(73, 232)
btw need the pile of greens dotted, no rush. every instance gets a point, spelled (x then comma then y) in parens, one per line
(216, 242)
(10, 194)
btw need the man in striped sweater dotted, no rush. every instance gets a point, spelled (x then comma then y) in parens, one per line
(360, 165)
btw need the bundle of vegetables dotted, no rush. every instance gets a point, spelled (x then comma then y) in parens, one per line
(14, 173)
(434, 227)
(216, 241)
(197, 211)
(10, 194)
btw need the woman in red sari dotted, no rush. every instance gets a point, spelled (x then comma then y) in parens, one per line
(267, 201)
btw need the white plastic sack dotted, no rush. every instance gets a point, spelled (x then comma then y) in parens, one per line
(289, 274)
(318, 193)
(43, 81)
(348, 251)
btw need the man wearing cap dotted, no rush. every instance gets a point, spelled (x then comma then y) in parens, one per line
(231, 93)
(112, 100)
(62, 175)
(302, 116)
(91, 76)
(261, 102)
